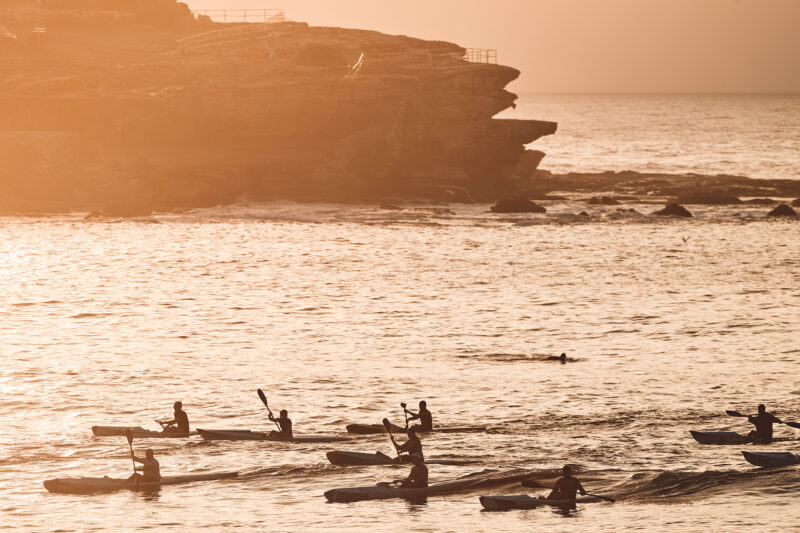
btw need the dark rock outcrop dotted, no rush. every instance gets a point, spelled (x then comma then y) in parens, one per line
(760, 201)
(783, 211)
(203, 113)
(673, 210)
(517, 205)
(603, 200)
(709, 198)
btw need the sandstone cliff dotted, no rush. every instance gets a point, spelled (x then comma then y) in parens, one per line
(138, 105)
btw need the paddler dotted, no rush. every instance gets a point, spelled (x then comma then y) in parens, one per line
(566, 487)
(285, 423)
(763, 422)
(180, 420)
(150, 469)
(413, 446)
(424, 416)
(417, 478)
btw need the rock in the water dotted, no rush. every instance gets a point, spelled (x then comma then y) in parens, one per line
(761, 201)
(783, 211)
(603, 200)
(673, 210)
(517, 205)
(709, 198)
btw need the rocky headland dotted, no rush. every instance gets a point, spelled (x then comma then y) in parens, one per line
(124, 106)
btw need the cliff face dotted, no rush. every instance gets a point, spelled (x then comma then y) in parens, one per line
(139, 105)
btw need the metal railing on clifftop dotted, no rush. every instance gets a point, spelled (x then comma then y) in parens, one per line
(481, 55)
(263, 16)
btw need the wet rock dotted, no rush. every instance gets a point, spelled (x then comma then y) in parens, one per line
(519, 204)
(761, 201)
(673, 210)
(783, 211)
(603, 200)
(708, 198)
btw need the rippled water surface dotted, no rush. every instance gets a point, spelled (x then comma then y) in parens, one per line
(750, 135)
(340, 313)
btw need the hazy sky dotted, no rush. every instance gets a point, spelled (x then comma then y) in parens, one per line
(593, 45)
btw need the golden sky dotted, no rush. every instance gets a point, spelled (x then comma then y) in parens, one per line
(593, 45)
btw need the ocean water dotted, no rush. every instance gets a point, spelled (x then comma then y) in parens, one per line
(751, 135)
(342, 312)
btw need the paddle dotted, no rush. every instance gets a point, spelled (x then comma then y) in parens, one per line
(532, 483)
(795, 425)
(388, 426)
(264, 399)
(405, 413)
(129, 436)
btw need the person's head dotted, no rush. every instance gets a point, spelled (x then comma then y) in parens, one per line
(563, 357)
(762, 409)
(149, 453)
(567, 470)
(284, 413)
(412, 431)
(423, 404)
(177, 406)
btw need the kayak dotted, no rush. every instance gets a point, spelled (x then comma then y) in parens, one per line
(726, 437)
(89, 485)
(341, 458)
(236, 434)
(377, 429)
(506, 503)
(718, 437)
(385, 491)
(139, 432)
(771, 459)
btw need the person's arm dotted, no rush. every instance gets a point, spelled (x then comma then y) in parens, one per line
(776, 420)
(403, 447)
(581, 489)
(412, 416)
(751, 419)
(137, 459)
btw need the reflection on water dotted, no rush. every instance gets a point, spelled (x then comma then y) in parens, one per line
(342, 313)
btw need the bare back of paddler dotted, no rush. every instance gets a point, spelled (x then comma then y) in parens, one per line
(567, 487)
(418, 477)
(180, 420)
(285, 423)
(150, 469)
(413, 446)
(763, 422)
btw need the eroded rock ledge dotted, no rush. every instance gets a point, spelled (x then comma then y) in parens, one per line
(135, 104)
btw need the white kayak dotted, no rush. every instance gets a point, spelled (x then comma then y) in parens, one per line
(386, 491)
(238, 434)
(139, 432)
(727, 437)
(343, 458)
(377, 429)
(771, 459)
(507, 503)
(89, 485)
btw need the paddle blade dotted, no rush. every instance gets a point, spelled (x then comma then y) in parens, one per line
(533, 484)
(263, 397)
(387, 425)
(606, 498)
(735, 413)
(795, 425)
(129, 436)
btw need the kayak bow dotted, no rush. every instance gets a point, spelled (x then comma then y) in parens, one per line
(771, 459)
(237, 434)
(90, 485)
(507, 503)
(139, 432)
